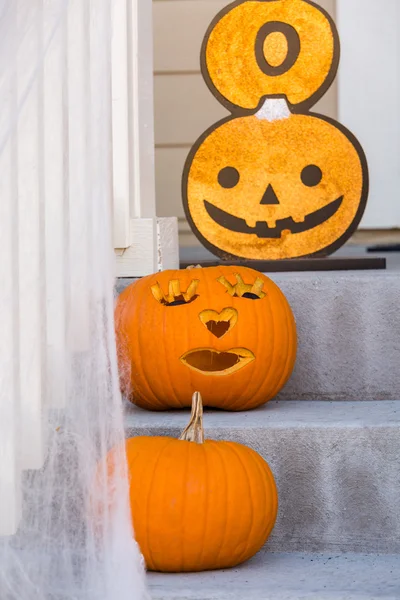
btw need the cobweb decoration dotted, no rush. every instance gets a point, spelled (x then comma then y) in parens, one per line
(60, 405)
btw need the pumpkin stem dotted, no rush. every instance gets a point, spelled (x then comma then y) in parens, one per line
(194, 432)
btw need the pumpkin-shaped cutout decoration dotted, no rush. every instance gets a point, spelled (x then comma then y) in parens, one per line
(273, 181)
(228, 332)
(262, 48)
(284, 188)
(197, 505)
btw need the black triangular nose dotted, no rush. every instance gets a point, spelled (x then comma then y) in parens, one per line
(269, 196)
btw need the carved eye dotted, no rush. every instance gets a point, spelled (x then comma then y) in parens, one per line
(251, 296)
(175, 296)
(311, 175)
(251, 291)
(228, 177)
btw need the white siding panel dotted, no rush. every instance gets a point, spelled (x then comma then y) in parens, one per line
(169, 166)
(184, 108)
(369, 98)
(179, 28)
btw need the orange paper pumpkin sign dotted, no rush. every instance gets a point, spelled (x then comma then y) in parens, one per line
(263, 48)
(280, 189)
(196, 505)
(228, 332)
(273, 181)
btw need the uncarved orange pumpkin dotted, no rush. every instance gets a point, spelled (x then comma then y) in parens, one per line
(227, 332)
(198, 505)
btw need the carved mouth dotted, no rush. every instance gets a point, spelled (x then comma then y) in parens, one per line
(211, 362)
(262, 230)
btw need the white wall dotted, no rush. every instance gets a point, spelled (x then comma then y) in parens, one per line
(369, 98)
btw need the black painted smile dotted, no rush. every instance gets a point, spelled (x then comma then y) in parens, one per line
(262, 230)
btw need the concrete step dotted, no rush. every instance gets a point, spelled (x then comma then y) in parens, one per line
(272, 576)
(336, 465)
(348, 330)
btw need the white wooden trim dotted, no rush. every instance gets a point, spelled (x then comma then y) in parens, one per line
(121, 80)
(154, 247)
(151, 242)
(168, 247)
(143, 203)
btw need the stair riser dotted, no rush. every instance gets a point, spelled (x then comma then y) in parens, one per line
(338, 486)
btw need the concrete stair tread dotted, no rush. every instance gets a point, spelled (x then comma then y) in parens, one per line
(276, 414)
(336, 465)
(297, 576)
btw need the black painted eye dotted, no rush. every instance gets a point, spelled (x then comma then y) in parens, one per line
(228, 177)
(311, 175)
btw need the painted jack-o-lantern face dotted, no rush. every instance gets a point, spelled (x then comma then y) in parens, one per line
(272, 190)
(274, 181)
(227, 332)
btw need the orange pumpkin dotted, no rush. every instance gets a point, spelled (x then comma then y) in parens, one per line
(228, 332)
(198, 505)
(289, 188)
(257, 49)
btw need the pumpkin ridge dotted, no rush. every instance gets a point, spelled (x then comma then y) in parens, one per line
(209, 293)
(257, 334)
(202, 545)
(232, 448)
(223, 536)
(171, 380)
(249, 402)
(142, 363)
(184, 507)
(280, 375)
(284, 374)
(270, 489)
(156, 463)
(273, 336)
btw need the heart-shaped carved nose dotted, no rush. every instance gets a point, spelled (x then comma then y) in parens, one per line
(219, 323)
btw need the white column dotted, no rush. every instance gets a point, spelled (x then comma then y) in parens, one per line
(78, 82)
(56, 214)
(153, 243)
(369, 98)
(10, 503)
(10, 470)
(32, 325)
(120, 117)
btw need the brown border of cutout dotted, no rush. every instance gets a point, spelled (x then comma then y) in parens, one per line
(303, 106)
(324, 251)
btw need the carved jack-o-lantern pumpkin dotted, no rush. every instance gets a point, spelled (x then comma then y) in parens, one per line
(227, 332)
(271, 190)
(273, 181)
